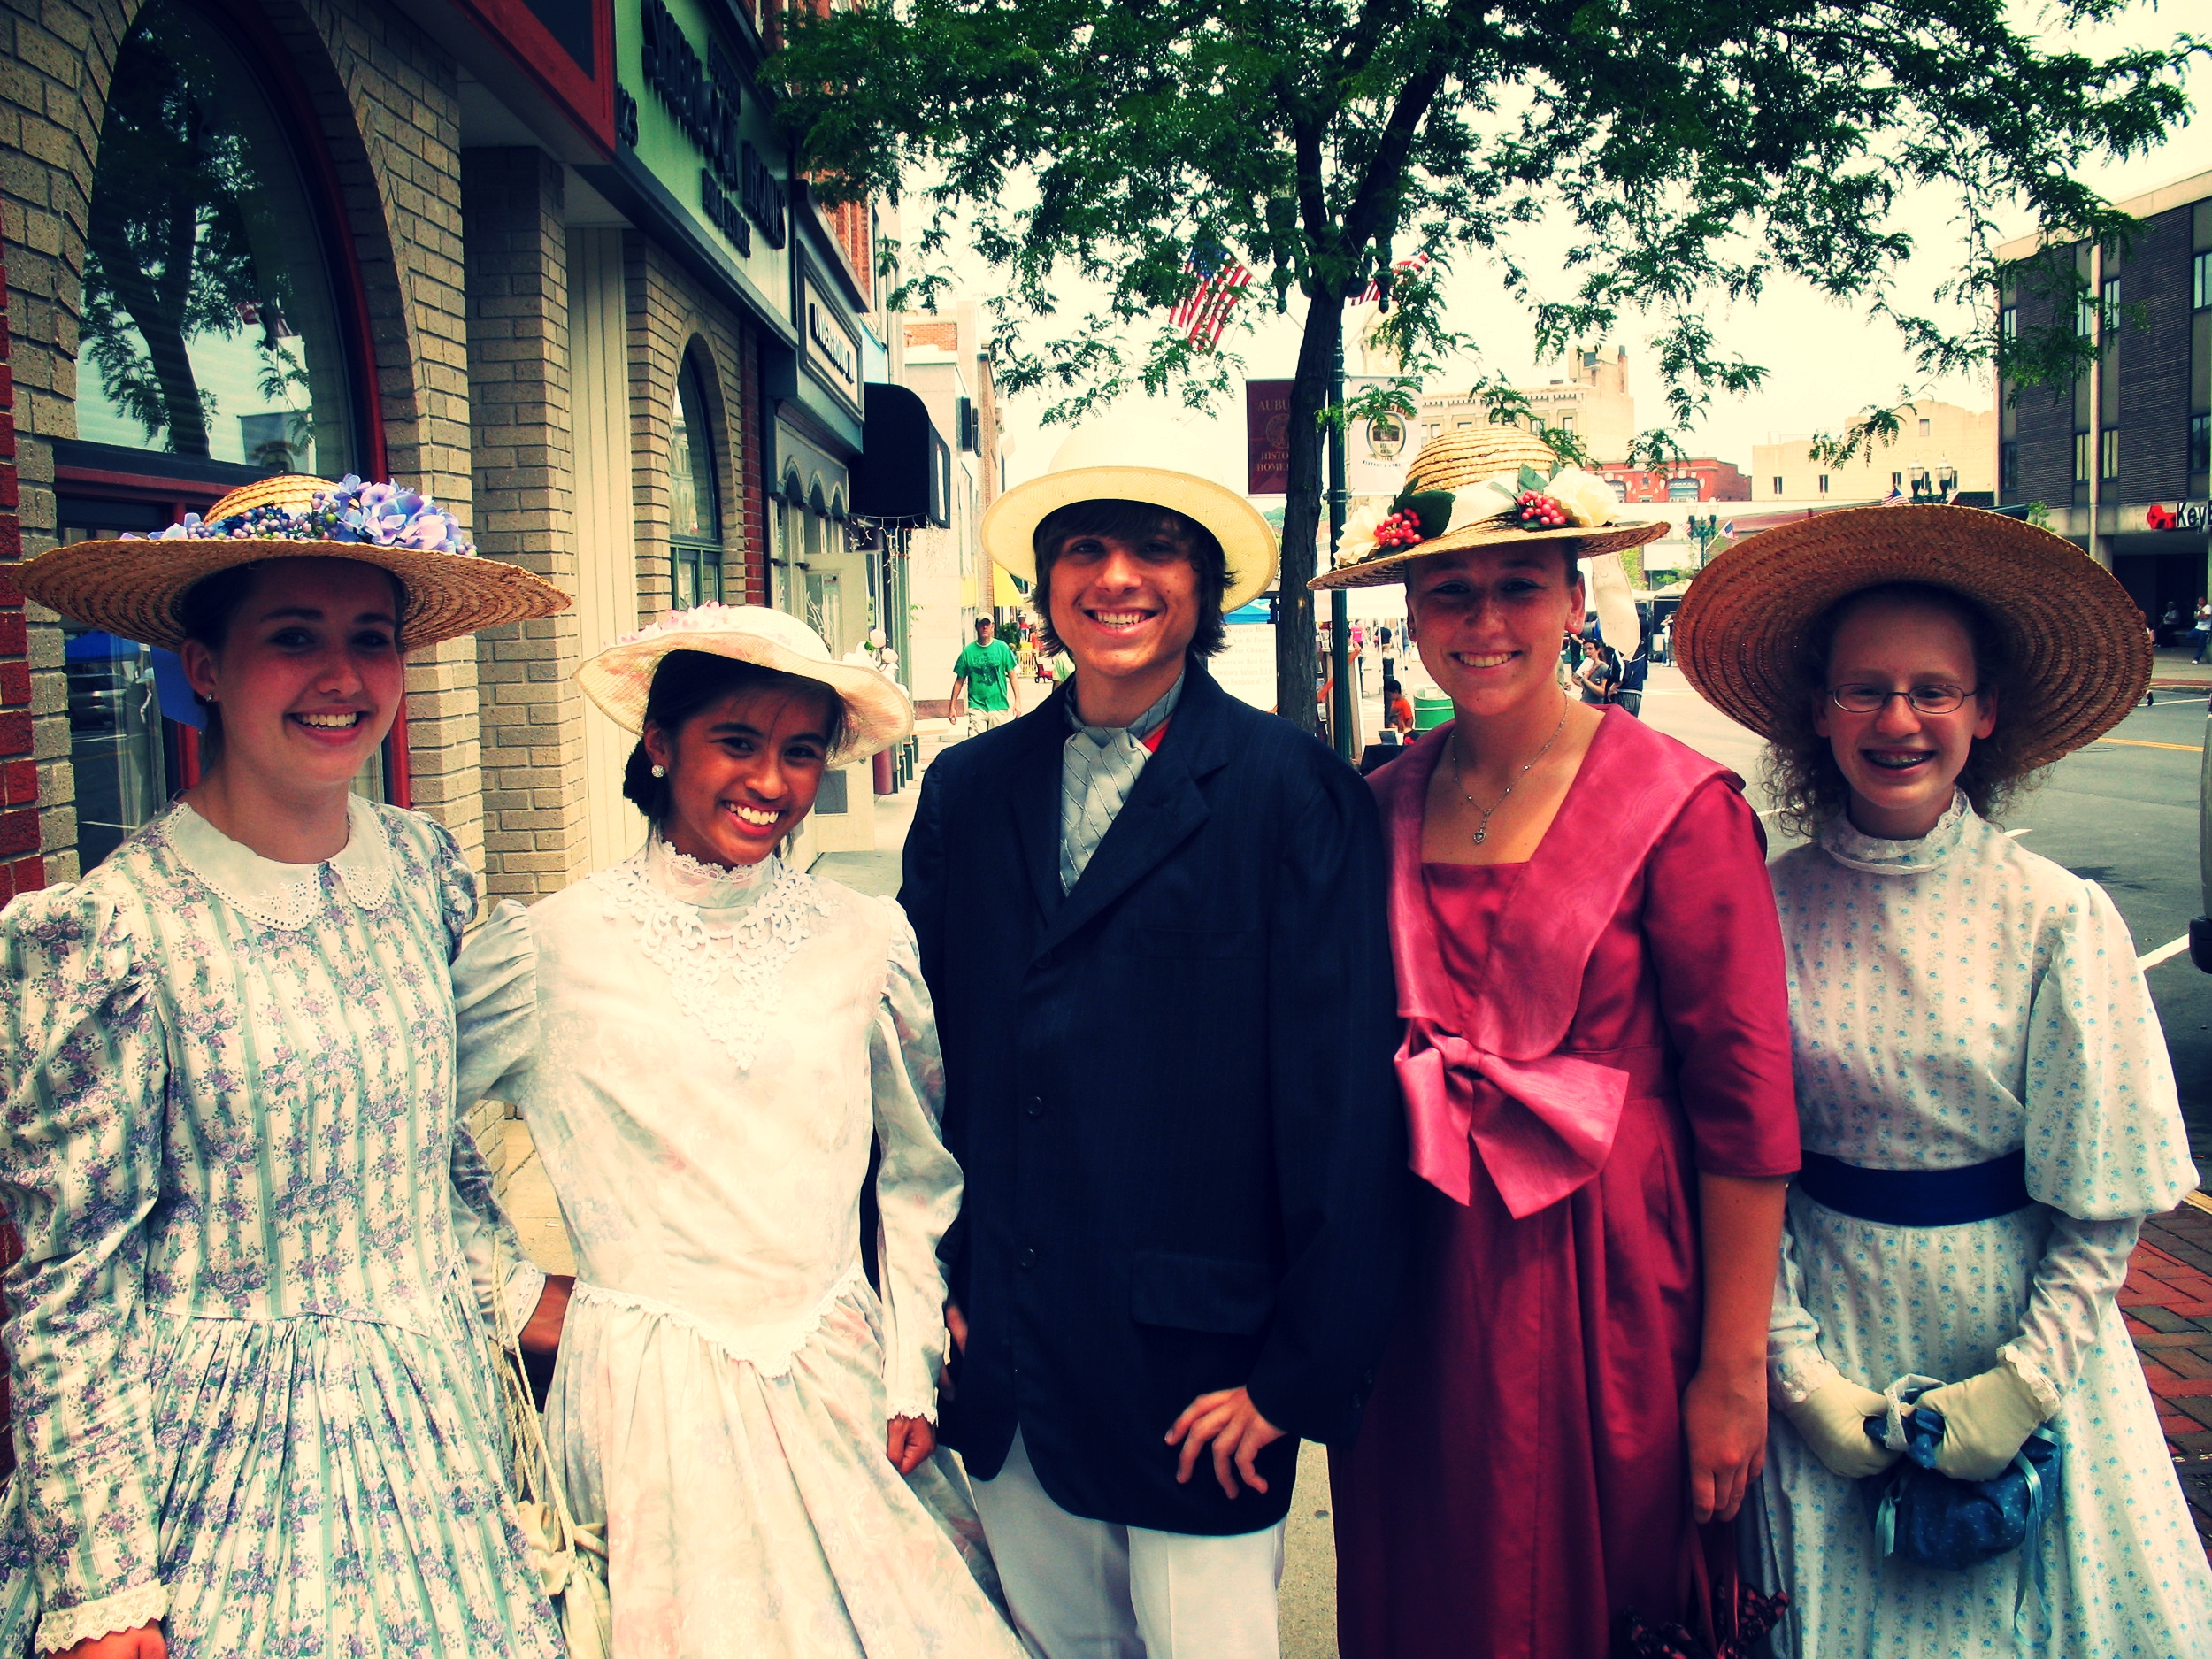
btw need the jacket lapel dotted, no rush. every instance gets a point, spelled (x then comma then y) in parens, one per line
(1163, 809)
(1036, 791)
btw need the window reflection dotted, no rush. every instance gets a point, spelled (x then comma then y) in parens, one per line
(209, 326)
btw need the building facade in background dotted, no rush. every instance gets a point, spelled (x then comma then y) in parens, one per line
(2121, 458)
(544, 261)
(1593, 401)
(1702, 478)
(948, 365)
(1939, 448)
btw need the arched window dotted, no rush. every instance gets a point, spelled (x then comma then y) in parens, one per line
(210, 330)
(694, 510)
(217, 344)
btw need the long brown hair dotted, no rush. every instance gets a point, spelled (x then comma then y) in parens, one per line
(1799, 768)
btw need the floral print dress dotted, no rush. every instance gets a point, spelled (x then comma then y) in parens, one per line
(1953, 999)
(250, 1400)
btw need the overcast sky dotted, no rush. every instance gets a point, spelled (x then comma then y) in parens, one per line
(1825, 363)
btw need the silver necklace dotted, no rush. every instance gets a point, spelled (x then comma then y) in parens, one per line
(1482, 833)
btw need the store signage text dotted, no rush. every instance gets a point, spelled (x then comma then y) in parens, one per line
(832, 342)
(2179, 514)
(705, 100)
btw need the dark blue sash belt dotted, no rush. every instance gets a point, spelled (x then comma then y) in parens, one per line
(1918, 1198)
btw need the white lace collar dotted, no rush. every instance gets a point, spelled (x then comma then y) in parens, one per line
(279, 894)
(710, 886)
(724, 965)
(1847, 847)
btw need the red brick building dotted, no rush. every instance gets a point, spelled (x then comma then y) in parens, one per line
(1702, 479)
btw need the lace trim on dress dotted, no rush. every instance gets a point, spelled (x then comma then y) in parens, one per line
(727, 980)
(695, 882)
(770, 1350)
(63, 1627)
(1843, 842)
(288, 896)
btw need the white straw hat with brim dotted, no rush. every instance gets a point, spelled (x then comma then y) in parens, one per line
(1470, 466)
(1130, 460)
(134, 585)
(2075, 648)
(620, 678)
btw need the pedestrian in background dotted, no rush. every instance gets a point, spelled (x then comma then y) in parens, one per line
(1599, 673)
(1397, 709)
(261, 1256)
(1987, 1108)
(986, 668)
(704, 1041)
(1595, 1071)
(2201, 630)
(1152, 919)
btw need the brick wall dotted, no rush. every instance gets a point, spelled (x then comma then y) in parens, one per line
(2154, 352)
(535, 837)
(2045, 414)
(386, 102)
(22, 869)
(671, 315)
(752, 446)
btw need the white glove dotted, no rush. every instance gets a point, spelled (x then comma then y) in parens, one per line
(1986, 1419)
(1832, 1421)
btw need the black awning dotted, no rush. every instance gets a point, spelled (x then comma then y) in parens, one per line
(904, 473)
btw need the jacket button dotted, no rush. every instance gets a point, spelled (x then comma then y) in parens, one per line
(1032, 1106)
(1027, 1258)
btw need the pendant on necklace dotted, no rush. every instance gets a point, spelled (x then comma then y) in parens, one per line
(1482, 835)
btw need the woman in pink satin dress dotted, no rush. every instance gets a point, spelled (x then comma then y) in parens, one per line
(1596, 1069)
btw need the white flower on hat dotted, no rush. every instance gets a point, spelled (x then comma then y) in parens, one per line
(1587, 499)
(1358, 543)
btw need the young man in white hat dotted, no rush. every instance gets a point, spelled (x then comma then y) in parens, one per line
(1185, 1155)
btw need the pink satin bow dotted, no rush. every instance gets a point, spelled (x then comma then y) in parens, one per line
(1542, 1127)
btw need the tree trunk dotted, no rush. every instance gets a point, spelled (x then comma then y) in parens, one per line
(1295, 681)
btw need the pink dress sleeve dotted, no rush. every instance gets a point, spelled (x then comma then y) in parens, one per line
(1715, 949)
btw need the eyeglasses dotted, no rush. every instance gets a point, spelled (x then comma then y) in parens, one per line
(1924, 699)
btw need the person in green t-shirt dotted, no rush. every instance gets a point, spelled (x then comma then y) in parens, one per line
(986, 668)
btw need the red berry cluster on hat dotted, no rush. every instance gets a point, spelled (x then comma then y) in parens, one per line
(1532, 511)
(1400, 529)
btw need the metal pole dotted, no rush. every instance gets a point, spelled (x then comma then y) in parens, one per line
(1339, 605)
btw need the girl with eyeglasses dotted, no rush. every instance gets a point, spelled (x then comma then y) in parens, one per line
(1986, 1105)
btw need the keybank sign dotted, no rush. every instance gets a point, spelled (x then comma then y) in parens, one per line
(705, 101)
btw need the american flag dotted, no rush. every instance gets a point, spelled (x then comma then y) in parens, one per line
(1372, 292)
(1204, 312)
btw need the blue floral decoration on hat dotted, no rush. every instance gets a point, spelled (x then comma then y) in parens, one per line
(375, 515)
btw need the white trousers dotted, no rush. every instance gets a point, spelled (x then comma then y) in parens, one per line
(1083, 1589)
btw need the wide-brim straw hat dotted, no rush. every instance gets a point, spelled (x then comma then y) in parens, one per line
(134, 585)
(2075, 648)
(1460, 460)
(1134, 460)
(620, 678)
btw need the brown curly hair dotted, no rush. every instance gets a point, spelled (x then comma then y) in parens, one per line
(1799, 768)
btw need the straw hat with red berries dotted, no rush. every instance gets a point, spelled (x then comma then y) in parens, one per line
(1484, 485)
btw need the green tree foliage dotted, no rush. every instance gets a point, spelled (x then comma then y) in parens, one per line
(1696, 148)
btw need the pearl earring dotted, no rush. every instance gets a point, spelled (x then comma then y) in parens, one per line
(660, 771)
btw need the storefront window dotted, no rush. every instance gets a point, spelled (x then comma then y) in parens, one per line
(695, 513)
(210, 329)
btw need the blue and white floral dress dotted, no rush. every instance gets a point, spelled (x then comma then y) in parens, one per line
(1953, 1000)
(250, 1400)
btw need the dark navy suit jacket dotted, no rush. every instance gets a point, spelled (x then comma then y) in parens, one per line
(1170, 1091)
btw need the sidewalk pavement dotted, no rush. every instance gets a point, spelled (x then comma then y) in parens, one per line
(2168, 1305)
(2172, 670)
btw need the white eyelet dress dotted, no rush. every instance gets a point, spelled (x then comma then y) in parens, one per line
(1954, 1000)
(251, 1396)
(702, 1056)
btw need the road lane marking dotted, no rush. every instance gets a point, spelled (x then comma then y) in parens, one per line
(2143, 742)
(2165, 953)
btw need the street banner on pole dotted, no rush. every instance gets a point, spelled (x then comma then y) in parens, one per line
(1267, 437)
(1376, 457)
